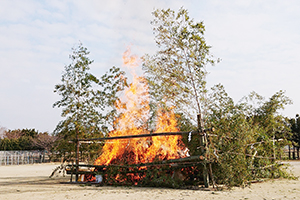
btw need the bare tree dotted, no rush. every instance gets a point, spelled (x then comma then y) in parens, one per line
(44, 141)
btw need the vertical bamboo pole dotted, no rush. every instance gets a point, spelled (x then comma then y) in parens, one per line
(77, 157)
(274, 152)
(203, 151)
(72, 168)
(274, 155)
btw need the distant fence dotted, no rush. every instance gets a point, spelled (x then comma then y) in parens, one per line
(22, 157)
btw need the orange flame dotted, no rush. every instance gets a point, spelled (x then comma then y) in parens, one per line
(133, 121)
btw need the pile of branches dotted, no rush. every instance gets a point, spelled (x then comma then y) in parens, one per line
(177, 173)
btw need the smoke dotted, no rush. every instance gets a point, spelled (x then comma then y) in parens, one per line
(2, 132)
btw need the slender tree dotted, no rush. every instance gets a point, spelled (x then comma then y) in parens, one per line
(79, 101)
(87, 102)
(176, 73)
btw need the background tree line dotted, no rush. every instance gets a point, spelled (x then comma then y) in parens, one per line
(26, 139)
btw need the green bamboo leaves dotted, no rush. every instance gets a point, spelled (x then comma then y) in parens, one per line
(176, 73)
(87, 102)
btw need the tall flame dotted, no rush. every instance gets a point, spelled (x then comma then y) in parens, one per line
(135, 113)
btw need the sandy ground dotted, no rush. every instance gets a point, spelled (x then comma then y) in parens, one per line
(29, 182)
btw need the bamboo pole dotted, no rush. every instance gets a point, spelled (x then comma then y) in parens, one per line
(249, 155)
(203, 147)
(71, 179)
(146, 135)
(77, 158)
(190, 159)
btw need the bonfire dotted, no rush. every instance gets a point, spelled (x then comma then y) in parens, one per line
(134, 114)
(134, 160)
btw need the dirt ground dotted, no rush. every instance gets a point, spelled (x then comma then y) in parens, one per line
(29, 182)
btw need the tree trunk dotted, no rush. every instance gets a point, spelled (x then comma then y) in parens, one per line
(294, 156)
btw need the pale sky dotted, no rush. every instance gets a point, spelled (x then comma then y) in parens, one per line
(258, 42)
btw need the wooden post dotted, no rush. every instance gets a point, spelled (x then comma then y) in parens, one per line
(274, 155)
(203, 151)
(77, 157)
(72, 167)
(274, 152)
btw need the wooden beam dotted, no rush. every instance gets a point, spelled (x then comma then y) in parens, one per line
(145, 135)
(172, 161)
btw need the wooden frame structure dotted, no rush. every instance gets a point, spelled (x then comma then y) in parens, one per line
(188, 161)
